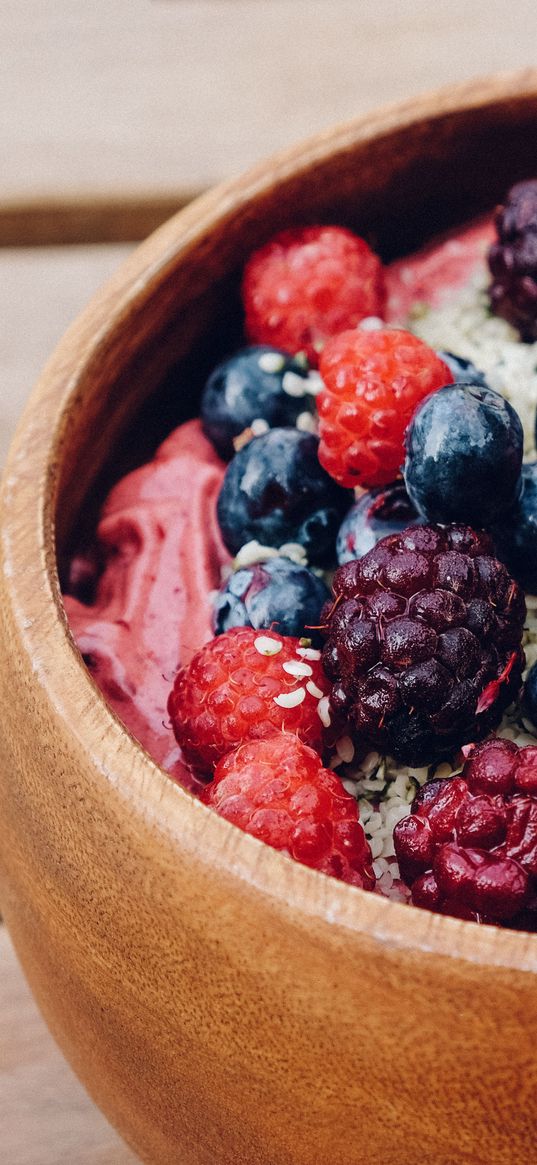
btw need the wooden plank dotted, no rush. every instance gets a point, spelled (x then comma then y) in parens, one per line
(151, 95)
(45, 1116)
(63, 220)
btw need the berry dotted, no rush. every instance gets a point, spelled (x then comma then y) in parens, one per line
(469, 846)
(424, 642)
(530, 695)
(373, 381)
(275, 491)
(246, 685)
(463, 371)
(278, 790)
(513, 260)
(515, 536)
(256, 384)
(277, 593)
(308, 284)
(382, 511)
(464, 455)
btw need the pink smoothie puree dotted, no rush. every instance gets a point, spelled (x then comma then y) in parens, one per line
(160, 543)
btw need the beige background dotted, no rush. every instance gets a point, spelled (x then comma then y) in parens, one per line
(117, 98)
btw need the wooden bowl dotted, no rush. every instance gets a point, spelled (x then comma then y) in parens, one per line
(222, 1003)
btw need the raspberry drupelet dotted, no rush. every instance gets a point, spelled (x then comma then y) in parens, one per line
(424, 642)
(469, 846)
(373, 381)
(278, 790)
(308, 284)
(247, 685)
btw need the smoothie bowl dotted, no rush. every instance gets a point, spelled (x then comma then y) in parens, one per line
(221, 1002)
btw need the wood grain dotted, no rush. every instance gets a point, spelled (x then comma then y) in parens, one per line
(46, 1118)
(141, 96)
(209, 990)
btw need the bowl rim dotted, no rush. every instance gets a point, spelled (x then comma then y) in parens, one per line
(30, 485)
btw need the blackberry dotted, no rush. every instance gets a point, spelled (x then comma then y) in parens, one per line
(381, 511)
(468, 847)
(276, 491)
(256, 384)
(278, 593)
(464, 455)
(513, 260)
(423, 645)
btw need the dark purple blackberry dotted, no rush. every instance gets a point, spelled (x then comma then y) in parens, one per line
(276, 491)
(381, 511)
(278, 593)
(258, 383)
(424, 642)
(513, 260)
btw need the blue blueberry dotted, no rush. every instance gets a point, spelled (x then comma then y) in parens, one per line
(384, 510)
(275, 491)
(277, 593)
(515, 537)
(530, 695)
(464, 455)
(463, 371)
(256, 383)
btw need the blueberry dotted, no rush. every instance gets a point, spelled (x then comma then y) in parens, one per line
(515, 537)
(530, 695)
(258, 383)
(464, 455)
(385, 510)
(463, 371)
(276, 491)
(277, 593)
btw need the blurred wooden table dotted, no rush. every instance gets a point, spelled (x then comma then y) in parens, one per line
(111, 114)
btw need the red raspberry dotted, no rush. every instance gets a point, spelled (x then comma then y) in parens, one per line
(308, 284)
(373, 384)
(278, 790)
(247, 685)
(469, 846)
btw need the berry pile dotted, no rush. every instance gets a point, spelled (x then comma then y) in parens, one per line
(422, 637)
(469, 846)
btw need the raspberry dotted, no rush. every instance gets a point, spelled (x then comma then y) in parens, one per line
(424, 642)
(373, 382)
(469, 846)
(247, 685)
(278, 790)
(513, 260)
(308, 284)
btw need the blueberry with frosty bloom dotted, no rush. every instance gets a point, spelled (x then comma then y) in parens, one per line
(257, 384)
(278, 593)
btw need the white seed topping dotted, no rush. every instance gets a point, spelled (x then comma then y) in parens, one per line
(371, 324)
(314, 383)
(296, 668)
(290, 699)
(293, 384)
(271, 362)
(313, 690)
(345, 749)
(306, 423)
(308, 652)
(259, 426)
(324, 711)
(266, 646)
